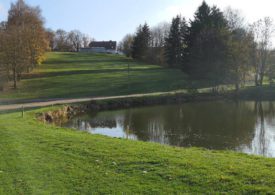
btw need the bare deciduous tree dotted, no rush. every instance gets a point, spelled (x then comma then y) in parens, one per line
(70, 41)
(50, 36)
(126, 45)
(61, 42)
(159, 33)
(75, 38)
(263, 30)
(158, 36)
(240, 47)
(234, 18)
(86, 40)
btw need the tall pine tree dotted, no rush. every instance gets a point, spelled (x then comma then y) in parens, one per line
(141, 43)
(208, 45)
(184, 32)
(175, 43)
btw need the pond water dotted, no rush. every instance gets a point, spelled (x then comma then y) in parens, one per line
(247, 127)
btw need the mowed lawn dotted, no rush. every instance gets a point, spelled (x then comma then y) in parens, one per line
(37, 158)
(65, 75)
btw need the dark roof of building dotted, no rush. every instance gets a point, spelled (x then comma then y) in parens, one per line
(106, 44)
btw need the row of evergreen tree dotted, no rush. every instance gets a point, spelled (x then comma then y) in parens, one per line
(210, 47)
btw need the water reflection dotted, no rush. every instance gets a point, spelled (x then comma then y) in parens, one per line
(263, 142)
(243, 126)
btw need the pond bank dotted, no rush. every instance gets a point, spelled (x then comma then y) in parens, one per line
(68, 111)
(265, 93)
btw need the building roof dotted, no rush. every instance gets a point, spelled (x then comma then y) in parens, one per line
(106, 44)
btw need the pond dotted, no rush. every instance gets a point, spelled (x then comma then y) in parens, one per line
(245, 126)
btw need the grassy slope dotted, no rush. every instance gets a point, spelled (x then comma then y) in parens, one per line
(66, 75)
(42, 159)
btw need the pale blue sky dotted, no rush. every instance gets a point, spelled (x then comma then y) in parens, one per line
(112, 19)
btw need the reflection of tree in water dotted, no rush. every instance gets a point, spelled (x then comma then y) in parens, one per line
(79, 124)
(146, 124)
(262, 139)
(91, 120)
(244, 126)
(215, 125)
(104, 123)
(263, 142)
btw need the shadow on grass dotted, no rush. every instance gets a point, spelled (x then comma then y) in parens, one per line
(79, 72)
(86, 61)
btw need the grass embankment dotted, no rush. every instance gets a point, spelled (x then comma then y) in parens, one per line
(74, 75)
(42, 159)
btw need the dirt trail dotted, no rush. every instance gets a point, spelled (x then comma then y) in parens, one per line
(70, 101)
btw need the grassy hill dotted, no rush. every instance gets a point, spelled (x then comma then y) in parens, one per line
(38, 158)
(42, 159)
(65, 75)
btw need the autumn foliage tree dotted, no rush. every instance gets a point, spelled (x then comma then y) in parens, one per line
(23, 40)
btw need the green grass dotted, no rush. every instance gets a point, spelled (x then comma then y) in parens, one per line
(65, 75)
(76, 75)
(42, 159)
(38, 158)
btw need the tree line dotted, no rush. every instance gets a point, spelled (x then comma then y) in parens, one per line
(153, 50)
(216, 46)
(72, 41)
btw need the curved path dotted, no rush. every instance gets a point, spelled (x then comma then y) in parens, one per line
(70, 101)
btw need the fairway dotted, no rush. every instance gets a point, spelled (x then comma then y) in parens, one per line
(75, 75)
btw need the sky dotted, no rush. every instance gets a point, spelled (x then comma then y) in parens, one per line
(112, 19)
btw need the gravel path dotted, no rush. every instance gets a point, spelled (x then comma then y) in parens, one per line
(37, 103)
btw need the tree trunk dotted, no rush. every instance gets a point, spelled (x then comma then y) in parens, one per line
(237, 81)
(261, 79)
(262, 130)
(237, 87)
(18, 77)
(14, 78)
(270, 81)
(256, 80)
(270, 77)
